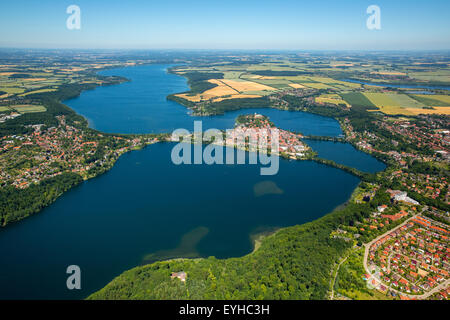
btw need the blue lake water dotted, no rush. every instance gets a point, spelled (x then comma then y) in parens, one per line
(140, 106)
(146, 204)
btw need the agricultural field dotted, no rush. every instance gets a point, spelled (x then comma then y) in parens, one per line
(243, 86)
(405, 101)
(229, 89)
(11, 90)
(36, 91)
(389, 73)
(237, 96)
(324, 83)
(358, 100)
(392, 103)
(317, 85)
(433, 100)
(436, 75)
(381, 100)
(324, 79)
(436, 110)
(402, 104)
(296, 86)
(22, 81)
(232, 74)
(272, 67)
(29, 108)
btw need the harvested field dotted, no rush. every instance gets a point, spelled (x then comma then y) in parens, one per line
(296, 86)
(221, 89)
(389, 73)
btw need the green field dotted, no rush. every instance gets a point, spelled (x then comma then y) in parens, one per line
(317, 85)
(435, 75)
(271, 82)
(391, 103)
(406, 101)
(29, 108)
(4, 109)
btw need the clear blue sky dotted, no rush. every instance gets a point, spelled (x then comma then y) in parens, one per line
(226, 24)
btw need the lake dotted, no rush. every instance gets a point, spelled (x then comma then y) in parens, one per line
(146, 204)
(140, 106)
(146, 208)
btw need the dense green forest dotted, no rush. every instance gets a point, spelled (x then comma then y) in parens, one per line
(216, 108)
(183, 102)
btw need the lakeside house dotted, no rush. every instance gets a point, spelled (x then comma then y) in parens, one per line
(180, 275)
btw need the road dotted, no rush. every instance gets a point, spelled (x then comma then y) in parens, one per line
(333, 281)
